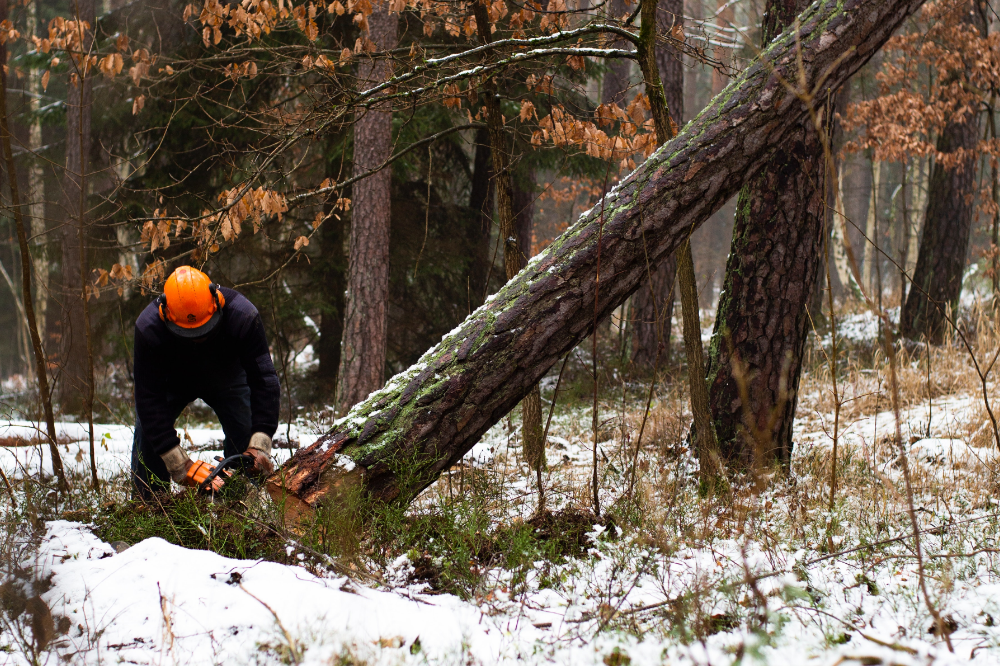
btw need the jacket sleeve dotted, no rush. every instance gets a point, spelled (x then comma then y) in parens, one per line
(265, 390)
(151, 397)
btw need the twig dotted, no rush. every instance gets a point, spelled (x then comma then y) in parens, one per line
(292, 646)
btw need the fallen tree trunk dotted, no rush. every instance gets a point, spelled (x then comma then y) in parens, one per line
(399, 440)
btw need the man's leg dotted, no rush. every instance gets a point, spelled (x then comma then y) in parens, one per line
(232, 405)
(149, 474)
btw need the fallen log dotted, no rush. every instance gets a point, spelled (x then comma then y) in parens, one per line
(399, 440)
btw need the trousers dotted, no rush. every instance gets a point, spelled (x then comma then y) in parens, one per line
(231, 405)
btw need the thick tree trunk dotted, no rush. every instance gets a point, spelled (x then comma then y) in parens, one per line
(74, 360)
(362, 363)
(398, 441)
(762, 322)
(653, 303)
(481, 204)
(944, 245)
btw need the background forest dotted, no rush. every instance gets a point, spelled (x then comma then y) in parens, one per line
(176, 123)
(656, 331)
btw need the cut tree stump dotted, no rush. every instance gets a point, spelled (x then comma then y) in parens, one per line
(399, 440)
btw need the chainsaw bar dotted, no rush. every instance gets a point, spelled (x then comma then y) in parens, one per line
(240, 461)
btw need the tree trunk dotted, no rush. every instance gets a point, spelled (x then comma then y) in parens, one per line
(73, 388)
(762, 323)
(523, 198)
(944, 245)
(362, 363)
(331, 277)
(481, 204)
(653, 303)
(398, 442)
(516, 250)
(36, 183)
(651, 316)
(870, 254)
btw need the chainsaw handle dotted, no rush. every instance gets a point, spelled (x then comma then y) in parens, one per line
(239, 461)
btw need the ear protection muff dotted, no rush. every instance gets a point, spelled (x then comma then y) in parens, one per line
(220, 299)
(161, 306)
(217, 295)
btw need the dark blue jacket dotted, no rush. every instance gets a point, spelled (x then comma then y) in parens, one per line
(236, 352)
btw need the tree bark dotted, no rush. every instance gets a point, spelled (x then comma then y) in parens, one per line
(944, 245)
(653, 303)
(516, 250)
(398, 441)
(73, 387)
(762, 323)
(36, 183)
(362, 364)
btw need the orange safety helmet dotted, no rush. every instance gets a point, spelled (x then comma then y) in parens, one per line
(191, 305)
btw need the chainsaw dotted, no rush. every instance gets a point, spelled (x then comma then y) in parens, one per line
(238, 463)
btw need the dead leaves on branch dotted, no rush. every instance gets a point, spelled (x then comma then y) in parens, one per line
(240, 207)
(258, 18)
(635, 134)
(912, 108)
(117, 277)
(111, 65)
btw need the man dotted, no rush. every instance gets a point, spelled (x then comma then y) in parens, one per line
(200, 340)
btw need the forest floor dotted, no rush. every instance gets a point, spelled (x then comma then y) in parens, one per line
(773, 570)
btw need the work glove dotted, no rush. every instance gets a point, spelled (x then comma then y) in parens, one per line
(187, 472)
(260, 449)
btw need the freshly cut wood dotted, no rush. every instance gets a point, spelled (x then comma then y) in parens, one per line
(399, 440)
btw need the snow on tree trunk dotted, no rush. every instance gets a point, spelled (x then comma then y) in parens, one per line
(424, 420)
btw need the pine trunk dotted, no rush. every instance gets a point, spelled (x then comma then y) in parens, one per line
(74, 379)
(400, 440)
(762, 322)
(944, 244)
(362, 363)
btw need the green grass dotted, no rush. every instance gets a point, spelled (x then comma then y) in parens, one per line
(227, 526)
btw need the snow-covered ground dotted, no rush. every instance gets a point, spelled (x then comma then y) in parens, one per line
(630, 600)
